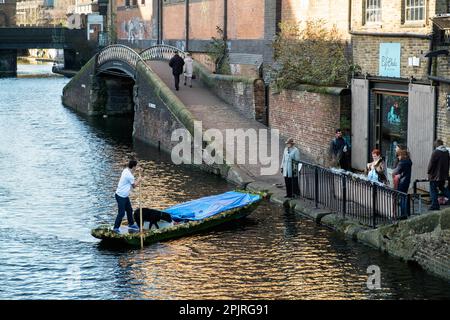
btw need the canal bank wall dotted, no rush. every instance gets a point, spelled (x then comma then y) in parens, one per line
(158, 113)
(423, 240)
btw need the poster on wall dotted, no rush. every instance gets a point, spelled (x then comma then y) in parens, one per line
(389, 65)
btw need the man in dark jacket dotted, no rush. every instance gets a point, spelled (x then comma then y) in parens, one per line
(438, 173)
(176, 63)
(339, 150)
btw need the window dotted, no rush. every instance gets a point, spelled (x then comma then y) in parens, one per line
(143, 2)
(373, 11)
(127, 3)
(415, 10)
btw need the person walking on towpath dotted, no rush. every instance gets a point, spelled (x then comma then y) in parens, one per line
(339, 151)
(438, 173)
(188, 69)
(122, 194)
(288, 168)
(176, 63)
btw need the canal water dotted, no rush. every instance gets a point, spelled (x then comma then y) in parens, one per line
(58, 175)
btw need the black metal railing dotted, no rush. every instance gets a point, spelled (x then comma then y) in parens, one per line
(351, 196)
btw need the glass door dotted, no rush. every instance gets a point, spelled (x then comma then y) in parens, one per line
(391, 124)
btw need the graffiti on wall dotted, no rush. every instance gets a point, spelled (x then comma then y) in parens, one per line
(136, 29)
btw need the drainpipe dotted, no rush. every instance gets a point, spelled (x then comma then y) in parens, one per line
(349, 16)
(225, 20)
(187, 26)
(160, 21)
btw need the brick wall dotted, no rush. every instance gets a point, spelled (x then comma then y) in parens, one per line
(8, 13)
(333, 13)
(309, 117)
(246, 19)
(134, 22)
(174, 23)
(366, 54)
(443, 115)
(204, 16)
(393, 17)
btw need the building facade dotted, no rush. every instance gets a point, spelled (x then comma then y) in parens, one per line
(393, 100)
(7, 13)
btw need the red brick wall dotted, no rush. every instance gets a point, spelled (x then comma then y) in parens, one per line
(134, 22)
(174, 21)
(310, 118)
(204, 16)
(245, 19)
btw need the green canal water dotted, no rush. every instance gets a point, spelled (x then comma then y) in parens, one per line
(58, 175)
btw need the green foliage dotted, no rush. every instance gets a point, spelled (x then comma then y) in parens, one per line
(217, 50)
(310, 54)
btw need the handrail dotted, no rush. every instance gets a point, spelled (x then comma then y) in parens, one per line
(161, 52)
(118, 52)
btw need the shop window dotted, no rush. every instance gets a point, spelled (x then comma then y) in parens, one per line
(373, 11)
(414, 10)
(391, 124)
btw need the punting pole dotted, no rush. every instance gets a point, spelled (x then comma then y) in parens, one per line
(140, 213)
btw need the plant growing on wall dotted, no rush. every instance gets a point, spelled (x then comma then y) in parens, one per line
(217, 50)
(310, 53)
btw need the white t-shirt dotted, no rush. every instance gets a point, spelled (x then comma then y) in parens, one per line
(125, 182)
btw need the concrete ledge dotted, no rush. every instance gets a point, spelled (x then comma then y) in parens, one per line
(210, 79)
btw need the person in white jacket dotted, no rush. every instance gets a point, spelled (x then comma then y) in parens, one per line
(290, 174)
(188, 69)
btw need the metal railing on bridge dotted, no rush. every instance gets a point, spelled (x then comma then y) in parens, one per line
(368, 202)
(116, 55)
(161, 52)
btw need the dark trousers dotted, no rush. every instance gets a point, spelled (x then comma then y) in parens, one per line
(435, 186)
(292, 186)
(124, 205)
(177, 81)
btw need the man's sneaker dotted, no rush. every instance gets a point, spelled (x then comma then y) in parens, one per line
(134, 226)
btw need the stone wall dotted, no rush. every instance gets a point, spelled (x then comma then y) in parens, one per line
(77, 94)
(424, 239)
(8, 63)
(443, 114)
(310, 116)
(244, 94)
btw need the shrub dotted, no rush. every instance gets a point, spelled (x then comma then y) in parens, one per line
(311, 54)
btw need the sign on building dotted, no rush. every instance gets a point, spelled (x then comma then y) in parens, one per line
(389, 64)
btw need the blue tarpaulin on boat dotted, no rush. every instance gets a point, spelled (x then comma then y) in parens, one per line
(208, 206)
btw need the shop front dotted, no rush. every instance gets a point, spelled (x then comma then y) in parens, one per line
(387, 112)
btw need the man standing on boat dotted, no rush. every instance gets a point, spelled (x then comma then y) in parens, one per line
(126, 182)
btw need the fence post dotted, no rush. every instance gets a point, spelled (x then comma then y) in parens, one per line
(316, 186)
(408, 205)
(344, 195)
(374, 205)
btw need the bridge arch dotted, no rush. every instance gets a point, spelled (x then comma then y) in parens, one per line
(121, 60)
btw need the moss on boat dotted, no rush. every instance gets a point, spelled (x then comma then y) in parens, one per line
(179, 230)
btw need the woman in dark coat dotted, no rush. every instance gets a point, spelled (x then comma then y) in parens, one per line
(403, 169)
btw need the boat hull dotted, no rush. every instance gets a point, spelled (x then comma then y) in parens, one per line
(180, 230)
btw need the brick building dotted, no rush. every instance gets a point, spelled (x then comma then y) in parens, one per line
(393, 100)
(7, 13)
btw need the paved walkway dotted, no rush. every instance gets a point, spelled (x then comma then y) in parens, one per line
(215, 113)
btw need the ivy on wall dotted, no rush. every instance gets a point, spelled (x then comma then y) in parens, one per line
(217, 50)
